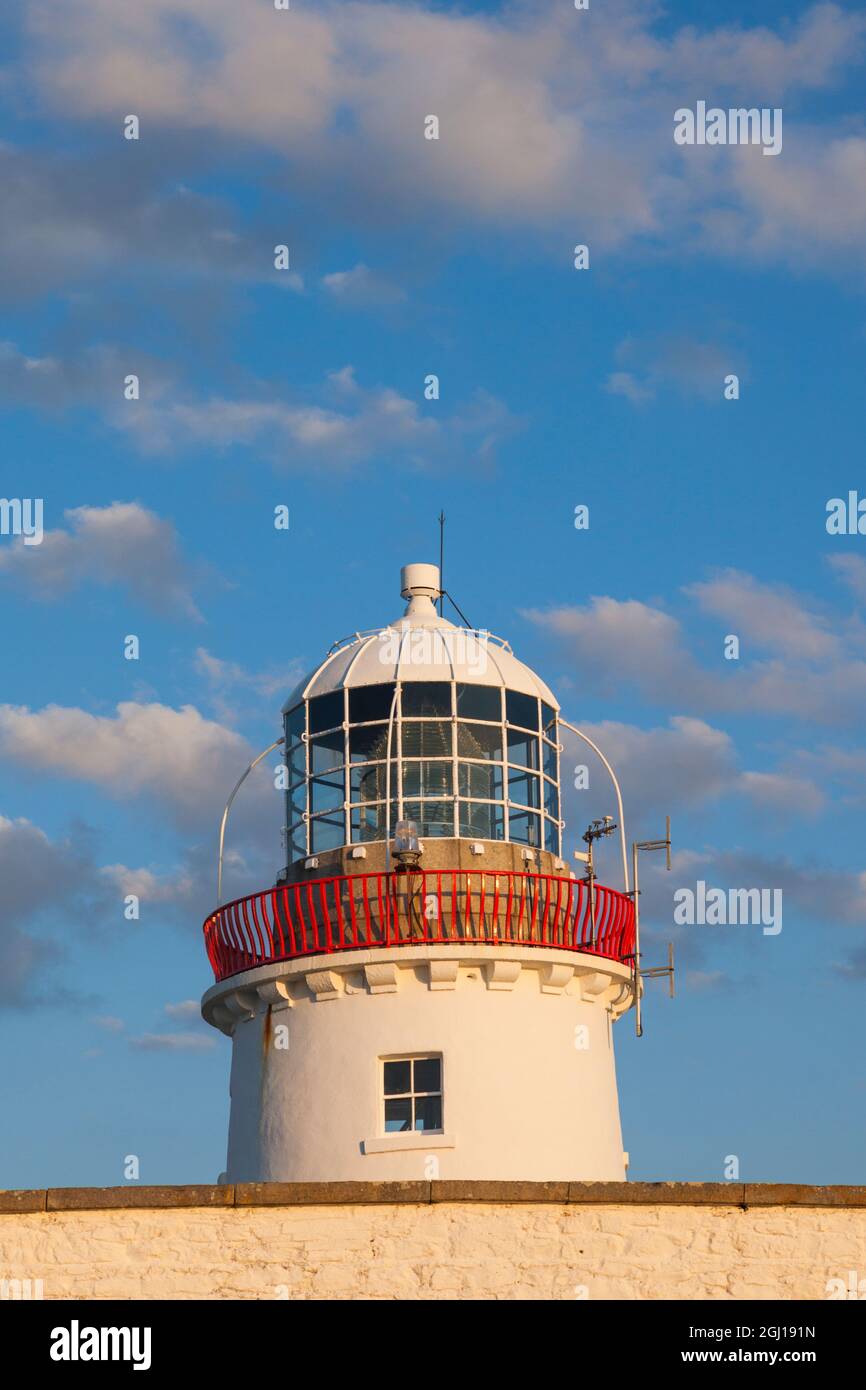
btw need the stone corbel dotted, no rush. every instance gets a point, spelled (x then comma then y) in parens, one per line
(502, 974)
(381, 977)
(442, 974)
(324, 984)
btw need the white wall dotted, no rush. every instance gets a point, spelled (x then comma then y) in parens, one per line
(521, 1100)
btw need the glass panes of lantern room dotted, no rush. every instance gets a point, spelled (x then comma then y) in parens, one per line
(474, 761)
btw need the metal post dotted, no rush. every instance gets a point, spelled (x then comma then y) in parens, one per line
(255, 762)
(638, 1021)
(595, 748)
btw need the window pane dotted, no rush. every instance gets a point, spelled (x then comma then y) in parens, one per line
(426, 699)
(551, 837)
(548, 721)
(369, 702)
(479, 702)
(398, 1116)
(551, 800)
(432, 740)
(521, 709)
(298, 841)
(428, 1112)
(522, 748)
(367, 781)
(429, 778)
(482, 820)
(524, 828)
(297, 763)
(481, 781)
(298, 801)
(327, 753)
(326, 712)
(295, 723)
(366, 745)
(428, 1074)
(479, 741)
(523, 787)
(326, 793)
(432, 817)
(398, 1078)
(548, 754)
(328, 832)
(368, 822)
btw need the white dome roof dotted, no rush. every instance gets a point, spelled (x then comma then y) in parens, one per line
(421, 646)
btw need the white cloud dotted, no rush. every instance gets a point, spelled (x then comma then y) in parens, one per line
(123, 543)
(185, 762)
(542, 116)
(771, 615)
(818, 677)
(362, 287)
(172, 1042)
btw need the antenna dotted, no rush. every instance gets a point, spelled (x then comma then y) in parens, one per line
(441, 560)
(656, 970)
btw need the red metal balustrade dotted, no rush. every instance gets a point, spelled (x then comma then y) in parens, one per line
(418, 907)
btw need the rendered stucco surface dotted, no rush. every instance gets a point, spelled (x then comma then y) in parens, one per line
(439, 1250)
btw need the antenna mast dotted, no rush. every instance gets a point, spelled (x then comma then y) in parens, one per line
(441, 561)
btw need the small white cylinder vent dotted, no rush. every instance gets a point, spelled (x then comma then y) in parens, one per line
(419, 581)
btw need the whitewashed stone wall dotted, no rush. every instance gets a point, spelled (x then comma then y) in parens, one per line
(436, 1250)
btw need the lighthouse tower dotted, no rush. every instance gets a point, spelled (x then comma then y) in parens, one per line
(428, 989)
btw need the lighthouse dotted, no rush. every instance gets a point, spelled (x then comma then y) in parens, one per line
(429, 988)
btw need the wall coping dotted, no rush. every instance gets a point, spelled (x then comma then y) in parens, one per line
(290, 1194)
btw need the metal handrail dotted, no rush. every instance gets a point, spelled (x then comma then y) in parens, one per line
(417, 907)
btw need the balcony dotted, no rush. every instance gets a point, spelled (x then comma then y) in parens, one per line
(415, 908)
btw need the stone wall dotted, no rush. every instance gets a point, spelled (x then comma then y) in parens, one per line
(435, 1240)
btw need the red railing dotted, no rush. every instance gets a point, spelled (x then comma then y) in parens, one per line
(418, 907)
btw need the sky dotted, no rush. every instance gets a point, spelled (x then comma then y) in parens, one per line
(304, 387)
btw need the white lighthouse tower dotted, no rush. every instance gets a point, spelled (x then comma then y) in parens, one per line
(428, 989)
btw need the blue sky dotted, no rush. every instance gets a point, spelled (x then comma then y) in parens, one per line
(558, 387)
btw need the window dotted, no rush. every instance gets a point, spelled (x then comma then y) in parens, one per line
(296, 721)
(481, 781)
(521, 709)
(327, 753)
(412, 1093)
(368, 703)
(426, 699)
(482, 820)
(326, 712)
(479, 741)
(522, 749)
(523, 788)
(370, 743)
(427, 739)
(326, 832)
(479, 702)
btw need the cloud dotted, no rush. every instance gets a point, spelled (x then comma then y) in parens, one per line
(684, 764)
(827, 896)
(694, 366)
(184, 762)
(851, 569)
(73, 217)
(172, 1042)
(784, 793)
(541, 117)
(362, 288)
(52, 892)
(123, 543)
(340, 425)
(813, 670)
(771, 615)
(626, 384)
(188, 1011)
